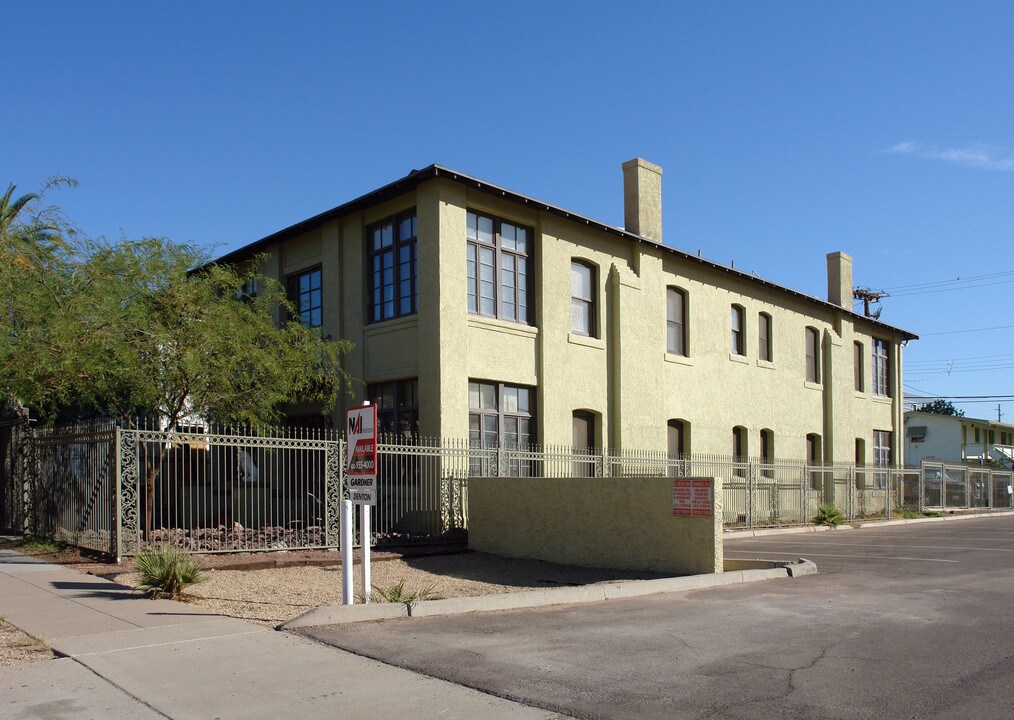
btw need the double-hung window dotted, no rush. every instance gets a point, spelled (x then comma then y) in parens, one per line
(498, 268)
(765, 351)
(676, 322)
(583, 308)
(304, 292)
(812, 355)
(737, 340)
(881, 368)
(392, 267)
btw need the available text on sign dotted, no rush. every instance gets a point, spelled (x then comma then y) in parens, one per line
(361, 454)
(692, 497)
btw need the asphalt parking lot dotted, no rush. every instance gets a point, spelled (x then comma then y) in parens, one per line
(910, 621)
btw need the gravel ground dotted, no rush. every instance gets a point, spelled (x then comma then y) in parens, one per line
(17, 647)
(278, 594)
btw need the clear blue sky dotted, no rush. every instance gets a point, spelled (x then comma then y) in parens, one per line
(785, 130)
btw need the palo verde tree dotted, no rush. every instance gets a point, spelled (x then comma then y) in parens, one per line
(132, 328)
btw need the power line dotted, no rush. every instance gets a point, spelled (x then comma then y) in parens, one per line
(956, 332)
(937, 283)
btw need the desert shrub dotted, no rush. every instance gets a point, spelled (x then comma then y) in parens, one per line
(167, 571)
(828, 515)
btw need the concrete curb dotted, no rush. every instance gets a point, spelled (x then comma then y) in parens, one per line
(963, 516)
(347, 614)
(733, 534)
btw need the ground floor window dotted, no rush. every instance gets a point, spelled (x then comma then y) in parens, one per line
(397, 407)
(881, 457)
(500, 416)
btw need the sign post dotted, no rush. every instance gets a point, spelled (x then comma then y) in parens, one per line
(361, 475)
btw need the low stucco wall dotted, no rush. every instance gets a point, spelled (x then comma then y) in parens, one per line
(620, 523)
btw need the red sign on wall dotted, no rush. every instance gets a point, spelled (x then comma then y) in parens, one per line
(692, 497)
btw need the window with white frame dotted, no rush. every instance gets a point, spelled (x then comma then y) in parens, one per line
(882, 457)
(881, 368)
(583, 304)
(737, 338)
(676, 321)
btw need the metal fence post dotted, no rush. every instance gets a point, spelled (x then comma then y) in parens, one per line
(751, 480)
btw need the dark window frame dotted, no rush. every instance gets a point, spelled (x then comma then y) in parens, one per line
(812, 355)
(404, 253)
(858, 361)
(295, 295)
(501, 414)
(765, 340)
(403, 407)
(883, 457)
(590, 302)
(676, 339)
(521, 298)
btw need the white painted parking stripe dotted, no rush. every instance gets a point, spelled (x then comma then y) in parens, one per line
(761, 541)
(863, 557)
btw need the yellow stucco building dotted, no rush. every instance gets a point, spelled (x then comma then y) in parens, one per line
(481, 313)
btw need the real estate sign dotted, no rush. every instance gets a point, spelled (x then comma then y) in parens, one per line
(361, 454)
(692, 496)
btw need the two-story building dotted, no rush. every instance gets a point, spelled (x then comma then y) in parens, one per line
(481, 313)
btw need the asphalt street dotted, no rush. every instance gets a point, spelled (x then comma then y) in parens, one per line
(910, 621)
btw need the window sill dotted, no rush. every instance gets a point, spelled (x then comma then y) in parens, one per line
(766, 364)
(586, 341)
(679, 359)
(393, 325)
(860, 394)
(812, 385)
(739, 358)
(504, 326)
(883, 399)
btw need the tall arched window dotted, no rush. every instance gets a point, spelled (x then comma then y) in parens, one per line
(812, 355)
(583, 299)
(676, 322)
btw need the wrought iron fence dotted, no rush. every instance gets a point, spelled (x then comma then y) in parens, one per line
(119, 487)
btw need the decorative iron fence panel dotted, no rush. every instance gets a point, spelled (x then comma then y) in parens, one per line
(117, 489)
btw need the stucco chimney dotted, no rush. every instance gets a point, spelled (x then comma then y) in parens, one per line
(839, 279)
(642, 199)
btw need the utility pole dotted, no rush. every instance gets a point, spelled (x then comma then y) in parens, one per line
(868, 296)
(998, 412)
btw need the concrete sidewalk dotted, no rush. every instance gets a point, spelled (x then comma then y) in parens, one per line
(128, 657)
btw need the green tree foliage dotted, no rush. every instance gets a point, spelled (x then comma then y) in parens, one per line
(941, 407)
(130, 328)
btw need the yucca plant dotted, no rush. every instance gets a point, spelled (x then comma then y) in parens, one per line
(167, 571)
(398, 594)
(828, 515)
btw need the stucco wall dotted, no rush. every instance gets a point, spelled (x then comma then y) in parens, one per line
(624, 523)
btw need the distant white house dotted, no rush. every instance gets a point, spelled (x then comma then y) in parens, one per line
(933, 437)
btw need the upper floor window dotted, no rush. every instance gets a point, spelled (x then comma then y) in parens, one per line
(881, 368)
(812, 355)
(765, 349)
(397, 407)
(737, 341)
(676, 321)
(392, 267)
(857, 366)
(498, 268)
(583, 310)
(304, 292)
